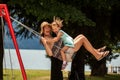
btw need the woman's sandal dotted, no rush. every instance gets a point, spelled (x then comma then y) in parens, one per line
(102, 48)
(104, 54)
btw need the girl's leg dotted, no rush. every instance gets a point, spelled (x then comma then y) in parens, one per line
(99, 49)
(82, 40)
(81, 35)
(63, 52)
(64, 56)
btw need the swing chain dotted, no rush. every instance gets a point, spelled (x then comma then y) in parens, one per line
(3, 32)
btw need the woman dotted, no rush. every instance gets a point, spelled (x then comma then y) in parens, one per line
(51, 50)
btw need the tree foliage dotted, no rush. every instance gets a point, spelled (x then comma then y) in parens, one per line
(32, 12)
(82, 13)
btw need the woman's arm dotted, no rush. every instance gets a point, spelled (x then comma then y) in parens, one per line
(47, 48)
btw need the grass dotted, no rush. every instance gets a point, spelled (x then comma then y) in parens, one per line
(107, 77)
(31, 74)
(45, 75)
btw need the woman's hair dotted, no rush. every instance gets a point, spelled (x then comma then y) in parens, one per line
(43, 24)
(58, 21)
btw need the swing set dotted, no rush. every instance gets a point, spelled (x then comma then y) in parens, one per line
(5, 14)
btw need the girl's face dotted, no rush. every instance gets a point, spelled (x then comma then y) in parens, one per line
(55, 27)
(47, 30)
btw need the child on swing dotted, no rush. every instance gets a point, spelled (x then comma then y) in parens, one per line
(74, 44)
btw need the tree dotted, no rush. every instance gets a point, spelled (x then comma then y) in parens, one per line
(101, 13)
(1, 50)
(45, 10)
(1, 53)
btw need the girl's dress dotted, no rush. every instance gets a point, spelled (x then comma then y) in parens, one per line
(67, 40)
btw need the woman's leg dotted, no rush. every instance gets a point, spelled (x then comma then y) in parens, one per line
(64, 57)
(82, 40)
(56, 73)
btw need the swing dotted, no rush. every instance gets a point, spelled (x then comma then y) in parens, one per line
(2, 24)
(5, 14)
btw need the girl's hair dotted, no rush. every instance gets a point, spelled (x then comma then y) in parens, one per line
(58, 21)
(43, 24)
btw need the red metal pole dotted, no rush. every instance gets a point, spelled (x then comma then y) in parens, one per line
(7, 18)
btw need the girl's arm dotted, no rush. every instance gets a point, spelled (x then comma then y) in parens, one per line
(55, 39)
(47, 48)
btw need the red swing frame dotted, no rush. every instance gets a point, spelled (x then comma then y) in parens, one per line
(5, 14)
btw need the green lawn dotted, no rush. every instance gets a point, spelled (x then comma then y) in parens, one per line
(44, 75)
(107, 77)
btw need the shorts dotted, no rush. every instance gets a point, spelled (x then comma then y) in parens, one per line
(69, 54)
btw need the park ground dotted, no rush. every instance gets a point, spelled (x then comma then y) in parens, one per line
(45, 75)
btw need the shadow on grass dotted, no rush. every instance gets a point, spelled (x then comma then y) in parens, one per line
(107, 77)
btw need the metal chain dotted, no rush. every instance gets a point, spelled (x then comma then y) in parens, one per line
(3, 30)
(30, 29)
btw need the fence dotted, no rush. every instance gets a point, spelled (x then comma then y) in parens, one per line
(114, 69)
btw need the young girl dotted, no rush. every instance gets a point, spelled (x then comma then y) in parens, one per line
(73, 45)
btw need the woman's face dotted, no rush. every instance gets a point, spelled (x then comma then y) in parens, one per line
(47, 30)
(55, 27)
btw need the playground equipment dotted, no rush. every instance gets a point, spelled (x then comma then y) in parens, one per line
(4, 13)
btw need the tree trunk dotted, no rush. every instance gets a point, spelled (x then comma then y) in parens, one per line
(1, 53)
(99, 69)
(1, 46)
(103, 22)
